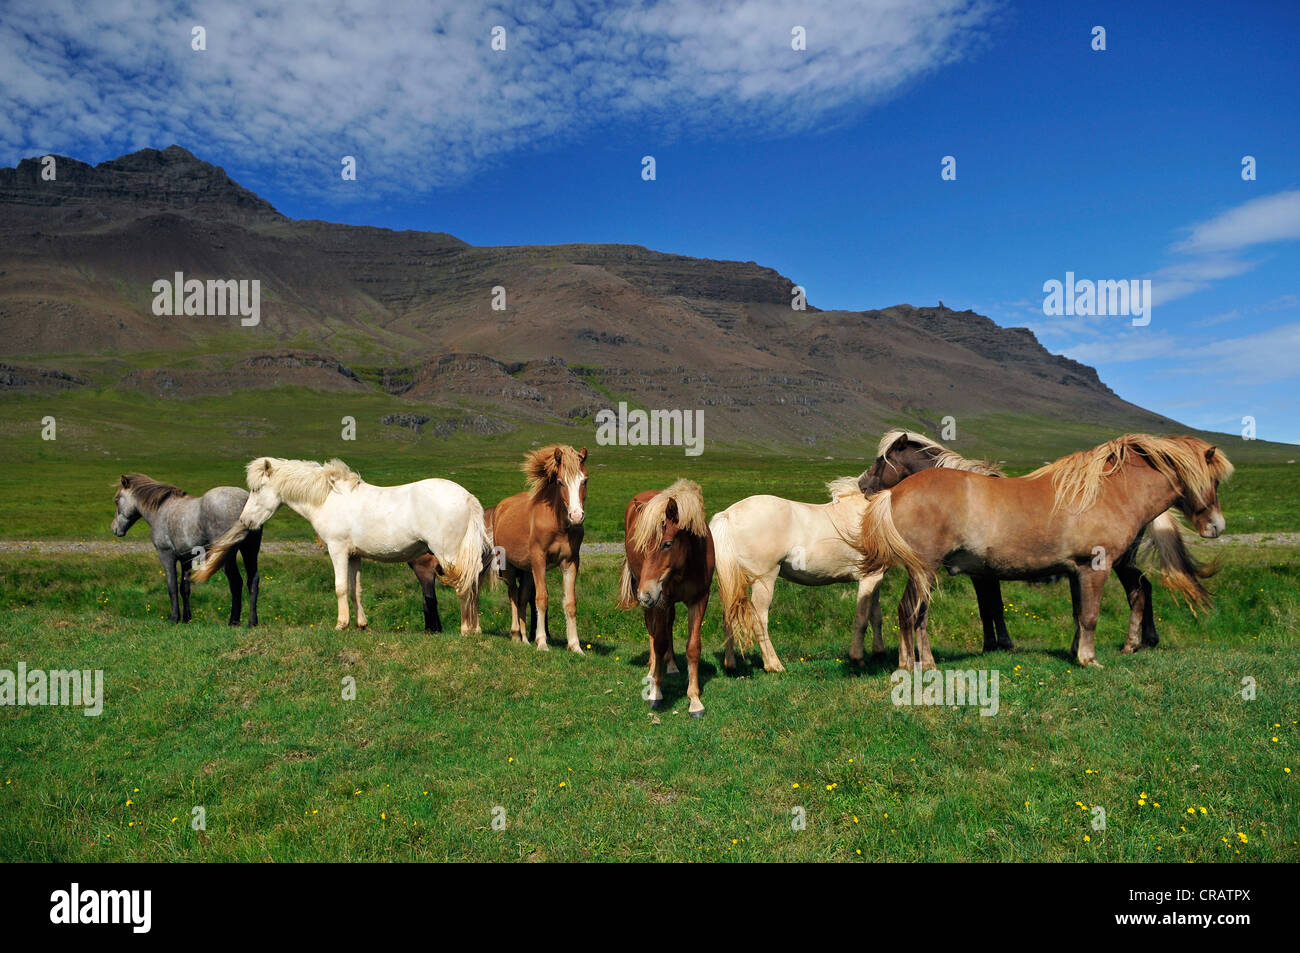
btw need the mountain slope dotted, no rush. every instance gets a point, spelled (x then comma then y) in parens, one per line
(346, 308)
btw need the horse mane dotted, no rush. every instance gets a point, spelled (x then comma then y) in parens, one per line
(841, 487)
(649, 523)
(540, 467)
(148, 493)
(1077, 478)
(300, 481)
(942, 456)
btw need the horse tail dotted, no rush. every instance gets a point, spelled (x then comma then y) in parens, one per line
(882, 546)
(1179, 569)
(738, 613)
(626, 591)
(219, 550)
(465, 571)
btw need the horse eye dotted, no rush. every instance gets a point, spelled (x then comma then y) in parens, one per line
(668, 544)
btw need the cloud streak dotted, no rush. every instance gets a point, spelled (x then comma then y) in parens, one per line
(418, 95)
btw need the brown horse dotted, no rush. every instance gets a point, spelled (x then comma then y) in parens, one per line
(669, 560)
(1076, 517)
(540, 528)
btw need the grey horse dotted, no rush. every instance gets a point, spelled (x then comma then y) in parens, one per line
(182, 527)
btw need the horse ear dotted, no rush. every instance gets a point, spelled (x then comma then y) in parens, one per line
(900, 443)
(559, 461)
(126, 481)
(1209, 454)
(582, 455)
(671, 511)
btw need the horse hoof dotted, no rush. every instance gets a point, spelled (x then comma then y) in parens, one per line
(697, 708)
(698, 714)
(655, 704)
(575, 647)
(777, 667)
(542, 646)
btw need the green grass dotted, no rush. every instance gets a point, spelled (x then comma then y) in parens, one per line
(251, 725)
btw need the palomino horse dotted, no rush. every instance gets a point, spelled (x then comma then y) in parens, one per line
(540, 528)
(182, 527)
(356, 519)
(762, 537)
(1071, 517)
(669, 560)
(902, 453)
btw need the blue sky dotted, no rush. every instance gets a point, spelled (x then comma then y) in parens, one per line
(823, 163)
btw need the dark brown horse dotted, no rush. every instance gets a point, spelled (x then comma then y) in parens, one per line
(1074, 517)
(903, 453)
(669, 560)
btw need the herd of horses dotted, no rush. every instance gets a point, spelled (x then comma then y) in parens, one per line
(920, 506)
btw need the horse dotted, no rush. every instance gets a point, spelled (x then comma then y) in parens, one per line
(356, 519)
(669, 559)
(182, 527)
(1071, 517)
(762, 537)
(902, 453)
(539, 528)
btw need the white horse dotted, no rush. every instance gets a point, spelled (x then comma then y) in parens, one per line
(355, 519)
(762, 537)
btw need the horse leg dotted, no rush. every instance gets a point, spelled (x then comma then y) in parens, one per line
(339, 557)
(1138, 596)
(540, 598)
(654, 624)
(517, 632)
(570, 570)
(669, 656)
(249, 548)
(729, 653)
(168, 560)
(1150, 637)
(469, 623)
(236, 582)
(923, 637)
(694, 644)
(1089, 585)
(764, 589)
(185, 589)
(906, 620)
(988, 593)
(868, 602)
(426, 571)
(354, 586)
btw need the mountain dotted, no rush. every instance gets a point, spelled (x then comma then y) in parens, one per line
(347, 308)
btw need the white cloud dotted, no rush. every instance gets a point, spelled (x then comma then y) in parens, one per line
(1270, 218)
(417, 94)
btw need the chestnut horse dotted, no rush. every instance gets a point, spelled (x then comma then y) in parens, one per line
(669, 560)
(902, 453)
(1078, 517)
(540, 528)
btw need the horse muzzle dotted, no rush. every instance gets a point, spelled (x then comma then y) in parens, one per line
(651, 597)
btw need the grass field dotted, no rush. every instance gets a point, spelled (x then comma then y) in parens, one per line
(447, 729)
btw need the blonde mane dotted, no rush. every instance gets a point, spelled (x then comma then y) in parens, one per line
(1077, 479)
(301, 481)
(540, 466)
(842, 487)
(648, 526)
(943, 457)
